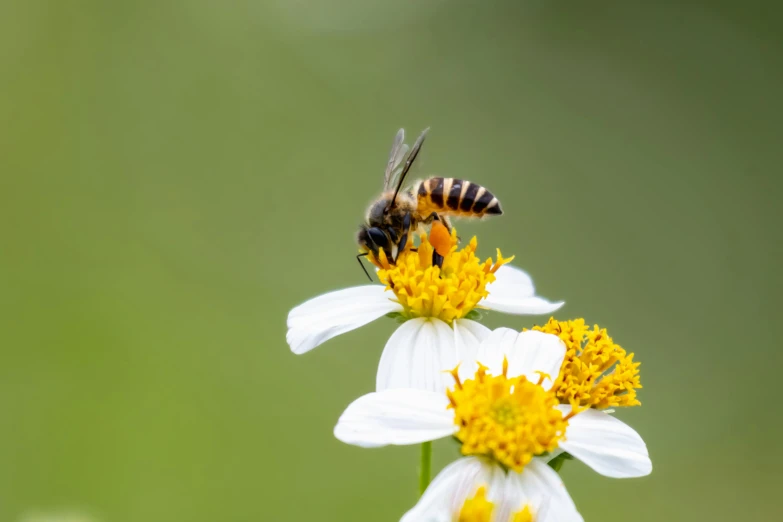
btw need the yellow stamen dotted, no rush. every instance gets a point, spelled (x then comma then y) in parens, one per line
(448, 293)
(542, 376)
(596, 372)
(477, 509)
(523, 516)
(510, 419)
(455, 374)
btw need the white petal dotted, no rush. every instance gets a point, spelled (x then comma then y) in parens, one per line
(606, 444)
(536, 352)
(528, 353)
(402, 416)
(498, 344)
(420, 354)
(469, 336)
(513, 292)
(545, 493)
(448, 491)
(332, 314)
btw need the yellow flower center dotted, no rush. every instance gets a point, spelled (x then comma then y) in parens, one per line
(596, 372)
(509, 419)
(479, 509)
(449, 292)
(523, 516)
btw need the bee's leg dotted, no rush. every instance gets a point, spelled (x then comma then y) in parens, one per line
(393, 236)
(358, 258)
(437, 217)
(440, 239)
(406, 227)
(447, 222)
(437, 259)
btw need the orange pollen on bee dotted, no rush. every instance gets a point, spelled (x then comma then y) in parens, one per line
(440, 238)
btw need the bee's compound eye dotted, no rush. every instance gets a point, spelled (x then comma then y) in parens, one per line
(378, 237)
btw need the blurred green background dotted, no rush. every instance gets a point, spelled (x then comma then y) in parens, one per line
(175, 176)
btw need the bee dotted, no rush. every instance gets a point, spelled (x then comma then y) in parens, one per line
(396, 214)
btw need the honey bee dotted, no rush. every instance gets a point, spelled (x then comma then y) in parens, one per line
(397, 213)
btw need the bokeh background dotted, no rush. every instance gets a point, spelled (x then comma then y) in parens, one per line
(175, 176)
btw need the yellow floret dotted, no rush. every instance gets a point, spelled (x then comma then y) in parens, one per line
(596, 372)
(477, 509)
(448, 293)
(509, 419)
(523, 516)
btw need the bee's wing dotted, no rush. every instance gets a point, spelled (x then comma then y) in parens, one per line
(397, 169)
(399, 178)
(398, 151)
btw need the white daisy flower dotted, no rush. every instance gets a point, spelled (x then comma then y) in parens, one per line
(435, 303)
(474, 489)
(508, 421)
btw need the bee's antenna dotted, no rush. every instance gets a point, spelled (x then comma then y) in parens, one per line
(412, 156)
(358, 258)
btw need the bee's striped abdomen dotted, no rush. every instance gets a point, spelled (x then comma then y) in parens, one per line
(456, 197)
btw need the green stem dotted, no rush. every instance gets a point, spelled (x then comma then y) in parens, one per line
(425, 467)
